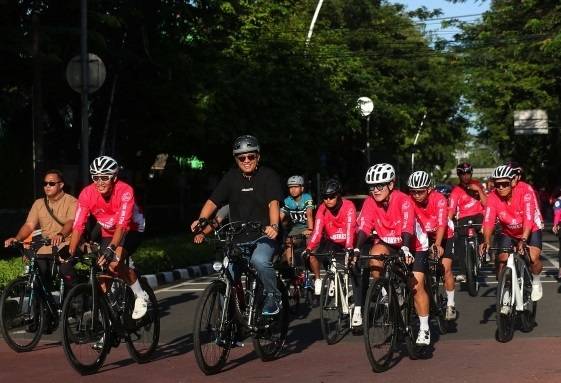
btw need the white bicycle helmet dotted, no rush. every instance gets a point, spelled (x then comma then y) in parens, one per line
(419, 180)
(295, 180)
(379, 174)
(503, 171)
(104, 165)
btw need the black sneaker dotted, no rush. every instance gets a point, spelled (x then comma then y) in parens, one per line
(271, 306)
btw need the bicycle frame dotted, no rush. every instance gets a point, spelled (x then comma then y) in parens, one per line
(516, 263)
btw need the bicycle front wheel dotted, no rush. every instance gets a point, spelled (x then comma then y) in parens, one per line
(332, 316)
(22, 315)
(212, 339)
(86, 335)
(438, 309)
(273, 329)
(380, 328)
(143, 338)
(505, 309)
(471, 271)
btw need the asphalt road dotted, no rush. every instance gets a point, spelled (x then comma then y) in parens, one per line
(468, 353)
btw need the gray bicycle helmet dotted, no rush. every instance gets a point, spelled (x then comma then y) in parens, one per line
(418, 180)
(245, 144)
(503, 171)
(295, 180)
(379, 174)
(104, 165)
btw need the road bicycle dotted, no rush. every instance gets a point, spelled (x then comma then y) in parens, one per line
(434, 282)
(230, 308)
(336, 298)
(94, 321)
(31, 305)
(514, 292)
(473, 260)
(389, 314)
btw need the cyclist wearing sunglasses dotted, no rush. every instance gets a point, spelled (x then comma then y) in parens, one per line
(390, 214)
(514, 207)
(253, 193)
(334, 230)
(111, 202)
(518, 171)
(431, 210)
(466, 203)
(54, 215)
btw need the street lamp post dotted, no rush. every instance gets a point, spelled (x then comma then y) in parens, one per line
(415, 142)
(366, 106)
(85, 145)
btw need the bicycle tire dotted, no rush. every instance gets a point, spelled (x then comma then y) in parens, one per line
(331, 314)
(438, 306)
(380, 328)
(528, 316)
(294, 297)
(146, 328)
(80, 328)
(506, 316)
(13, 298)
(407, 311)
(206, 329)
(270, 338)
(471, 271)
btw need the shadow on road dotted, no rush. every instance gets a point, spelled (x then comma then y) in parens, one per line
(166, 303)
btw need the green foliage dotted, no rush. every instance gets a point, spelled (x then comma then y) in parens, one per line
(9, 270)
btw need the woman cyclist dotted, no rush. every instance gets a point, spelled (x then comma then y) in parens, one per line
(391, 215)
(431, 210)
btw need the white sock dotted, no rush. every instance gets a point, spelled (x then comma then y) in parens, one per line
(424, 321)
(450, 296)
(357, 309)
(536, 278)
(137, 289)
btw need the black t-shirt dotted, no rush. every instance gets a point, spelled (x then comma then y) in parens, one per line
(249, 197)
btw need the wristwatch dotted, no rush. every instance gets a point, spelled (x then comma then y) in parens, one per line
(275, 226)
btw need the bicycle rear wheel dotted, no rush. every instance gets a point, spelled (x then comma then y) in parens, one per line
(438, 302)
(272, 329)
(505, 309)
(471, 271)
(380, 326)
(86, 335)
(294, 297)
(333, 319)
(212, 345)
(142, 339)
(22, 315)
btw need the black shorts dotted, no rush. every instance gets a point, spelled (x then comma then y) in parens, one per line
(534, 240)
(129, 242)
(421, 263)
(327, 246)
(448, 246)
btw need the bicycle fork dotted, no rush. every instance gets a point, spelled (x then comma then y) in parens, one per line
(517, 284)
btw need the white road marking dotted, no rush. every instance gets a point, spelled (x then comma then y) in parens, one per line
(553, 261)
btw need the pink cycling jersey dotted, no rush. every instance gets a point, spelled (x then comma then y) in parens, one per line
(557, 211)
(339, 228)
(119, 210)
(391, 223)
(513, 216)
(538, 219)
(434, 215)
(462, 204)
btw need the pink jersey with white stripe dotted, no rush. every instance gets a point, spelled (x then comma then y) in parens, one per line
(462, 204)
(118, 210)
(434, 215)
(513, 216)
(390, 223)
(339, 228)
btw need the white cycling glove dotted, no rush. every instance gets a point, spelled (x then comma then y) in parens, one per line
(409, 258)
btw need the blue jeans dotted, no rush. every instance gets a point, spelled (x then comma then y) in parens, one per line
(261, 259)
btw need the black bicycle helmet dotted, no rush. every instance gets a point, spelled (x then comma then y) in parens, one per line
(464, 167)
(331, 187)
(245, 144)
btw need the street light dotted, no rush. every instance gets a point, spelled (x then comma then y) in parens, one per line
(366, 106)
(415, 142)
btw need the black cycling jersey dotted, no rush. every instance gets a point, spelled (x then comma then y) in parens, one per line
(249, 197)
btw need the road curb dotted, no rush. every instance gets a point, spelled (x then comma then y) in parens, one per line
(167, 277)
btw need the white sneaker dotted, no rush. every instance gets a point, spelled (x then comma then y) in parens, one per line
(140, 306)
(450, 313)
(317, 286)
(505, 309)
(537, 291)
(423, 338)
(461, 278)
(357, 317)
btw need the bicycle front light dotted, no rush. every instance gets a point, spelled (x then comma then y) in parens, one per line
(217, 266)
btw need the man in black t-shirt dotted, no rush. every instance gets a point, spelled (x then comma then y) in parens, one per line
(253, 193)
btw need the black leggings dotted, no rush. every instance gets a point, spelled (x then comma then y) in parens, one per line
(47, 270)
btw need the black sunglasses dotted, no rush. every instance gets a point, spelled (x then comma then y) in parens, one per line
(502, 185)
(417, 191)
(330, 196)
(378, 186)
(101, 178)
(50, 183)
(249, 157)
